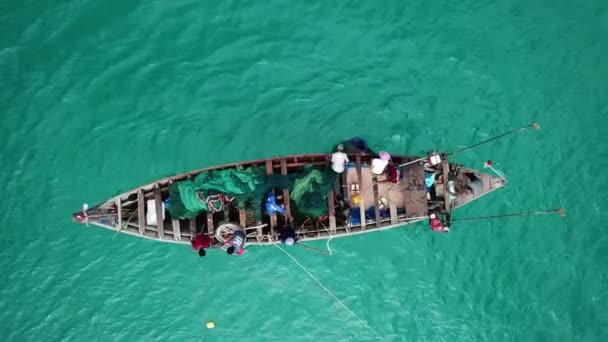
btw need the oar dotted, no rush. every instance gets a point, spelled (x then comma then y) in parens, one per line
(559, 211)
(532, 125)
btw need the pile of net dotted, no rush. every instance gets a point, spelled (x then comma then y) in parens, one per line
(246, 188)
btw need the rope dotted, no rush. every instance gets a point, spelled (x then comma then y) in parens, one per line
(329, 292)
(532, 125)
(225, 228)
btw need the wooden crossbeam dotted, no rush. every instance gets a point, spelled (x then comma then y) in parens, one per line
(118, 203)
(210, 227)
(446, 189)
(273, 217)
(243, 218)
(177, 233)
(331, 200)
(286, 200)
(361, 204)
(159, 212)
(331, 204)
(393, 208)
(192, 225)
(141, 211)
(376, 202)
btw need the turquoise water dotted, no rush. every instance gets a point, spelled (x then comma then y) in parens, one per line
(98, 97)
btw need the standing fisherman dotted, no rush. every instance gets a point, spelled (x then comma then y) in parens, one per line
(339, 159)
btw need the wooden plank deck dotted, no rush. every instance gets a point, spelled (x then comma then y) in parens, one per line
(361, 202)
(273, 217)
(415, 192)
(286, 200)
(160, 224)
(141, 211)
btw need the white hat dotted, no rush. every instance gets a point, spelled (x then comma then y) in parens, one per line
(433, 216)
(289, 241)
(384, 156)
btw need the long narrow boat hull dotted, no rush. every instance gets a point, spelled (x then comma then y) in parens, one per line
(357, 193)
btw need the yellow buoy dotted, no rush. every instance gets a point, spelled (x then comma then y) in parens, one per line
(210, 325)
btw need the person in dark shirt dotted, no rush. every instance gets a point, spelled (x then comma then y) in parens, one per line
(201, 242)
(288, 235)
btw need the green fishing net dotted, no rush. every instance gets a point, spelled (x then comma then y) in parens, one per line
(309, 192)
(248, 186)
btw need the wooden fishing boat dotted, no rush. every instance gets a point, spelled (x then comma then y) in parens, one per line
(393, 203)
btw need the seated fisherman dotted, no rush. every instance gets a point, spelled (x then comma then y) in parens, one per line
(236, 241)
(429, 183)
(201, 242)
(288, 235)
(339, 159)
(436, 224)
(379, 164)
(271, 204)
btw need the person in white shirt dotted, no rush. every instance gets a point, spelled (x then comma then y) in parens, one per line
(339, 160)
(379, 164)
